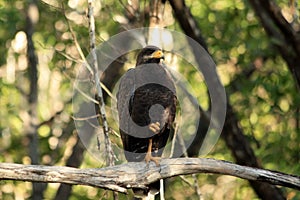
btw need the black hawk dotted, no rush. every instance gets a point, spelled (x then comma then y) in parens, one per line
(146, 107)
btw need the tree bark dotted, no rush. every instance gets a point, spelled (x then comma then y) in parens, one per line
(31, 124)
(139, 174)
(187, 22)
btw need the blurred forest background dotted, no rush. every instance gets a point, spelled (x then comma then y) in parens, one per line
(255, 46)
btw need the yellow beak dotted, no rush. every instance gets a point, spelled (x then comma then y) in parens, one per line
(157, 54)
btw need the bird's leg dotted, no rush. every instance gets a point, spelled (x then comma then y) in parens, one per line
(149, 156)
(155, 128)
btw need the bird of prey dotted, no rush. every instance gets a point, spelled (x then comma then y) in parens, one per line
(146, 103)
(146, 107)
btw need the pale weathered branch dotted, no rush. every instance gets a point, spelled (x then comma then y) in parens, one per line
(110, 157)
(139, 174)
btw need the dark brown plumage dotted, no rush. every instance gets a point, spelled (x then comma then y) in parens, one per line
(146, 98)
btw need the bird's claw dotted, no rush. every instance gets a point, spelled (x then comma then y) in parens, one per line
(149, 157)
(155, 127)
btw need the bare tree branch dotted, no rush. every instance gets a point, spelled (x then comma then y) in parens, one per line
(187, 21)
(100, 98)
(31, 124)
(110, 157)
(139, 174)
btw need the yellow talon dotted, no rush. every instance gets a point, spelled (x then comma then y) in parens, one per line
(155, 127)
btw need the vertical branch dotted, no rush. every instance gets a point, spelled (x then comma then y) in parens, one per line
(185, 154)
(173, 141)
(110, 159)
(156, 13)
(156, 23)
(33, 78)
(109, 152)
(31, 124)
(187, 22)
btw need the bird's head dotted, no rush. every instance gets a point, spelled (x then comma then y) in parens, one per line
(149, 54)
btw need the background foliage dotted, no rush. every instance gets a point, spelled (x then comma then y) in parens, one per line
(266, 100)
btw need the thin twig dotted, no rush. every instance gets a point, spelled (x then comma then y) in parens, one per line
(184, 150)
(85, 95)
(174, 140)
(85, 118)
(51, 119)
(83, 60)
(196, 186)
